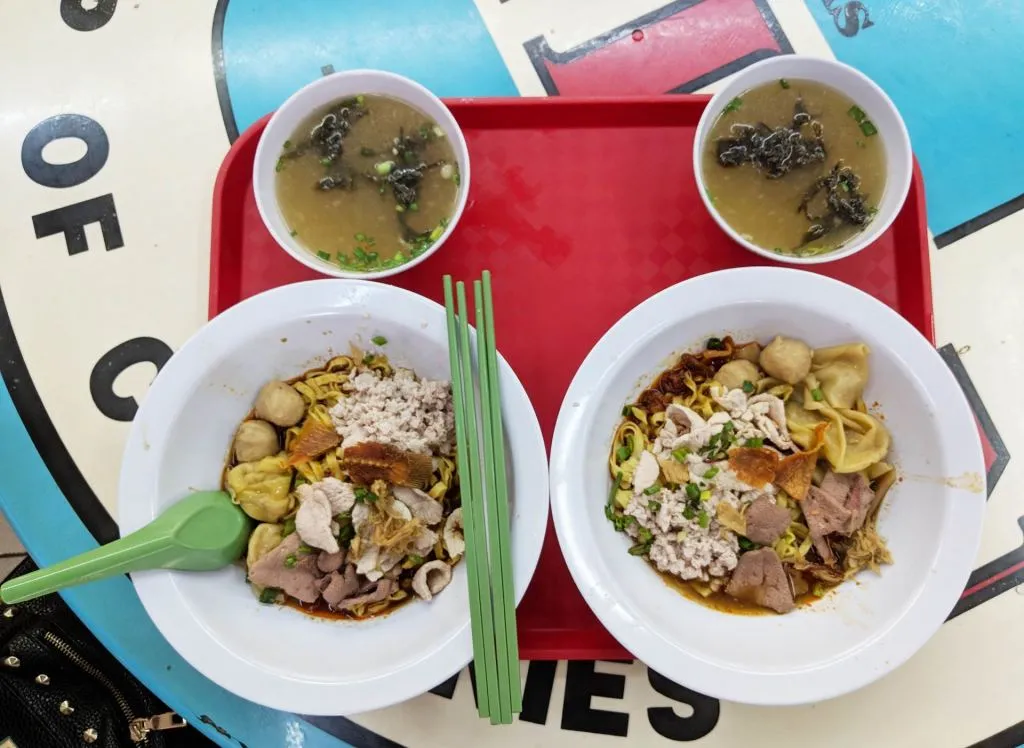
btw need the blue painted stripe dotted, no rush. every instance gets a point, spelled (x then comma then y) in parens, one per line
(51, 531)
(953, 69)
(272, 48)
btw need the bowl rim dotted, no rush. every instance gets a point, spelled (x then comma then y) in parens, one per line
(890, 646)
(159, 591)
(901, 143)
(329, 83)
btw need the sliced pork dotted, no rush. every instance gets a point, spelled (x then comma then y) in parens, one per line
(286, 569)
(760, 579)
(766, 521)
(378, 591)
(340, 586)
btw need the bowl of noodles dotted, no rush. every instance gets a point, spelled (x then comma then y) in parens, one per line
(767, 485)
(324, 410)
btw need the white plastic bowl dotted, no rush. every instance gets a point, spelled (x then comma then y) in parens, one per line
(932, 518)
(868, 96)
(277, 656)
(317, 95)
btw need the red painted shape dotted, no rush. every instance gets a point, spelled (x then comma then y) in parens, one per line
(985, 583)
(663, 51)
(986, 447)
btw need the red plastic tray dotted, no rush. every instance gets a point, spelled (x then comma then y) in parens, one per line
(582, 208)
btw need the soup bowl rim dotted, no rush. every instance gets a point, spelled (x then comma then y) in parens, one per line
(318, 94)
(898, 153)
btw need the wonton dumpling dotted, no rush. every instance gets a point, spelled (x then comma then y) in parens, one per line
(264, 539)
(853, 440)
(842, 372)
(787, 359)
(262, 488)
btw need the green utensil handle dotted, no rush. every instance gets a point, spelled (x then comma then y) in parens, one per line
(130, 553)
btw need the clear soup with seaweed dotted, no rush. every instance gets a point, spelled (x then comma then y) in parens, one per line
(795, 166)
(367, 183)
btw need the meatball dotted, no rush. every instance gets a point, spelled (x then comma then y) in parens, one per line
(733, 374)
(279, 403)
(255, 440)
(787, 359)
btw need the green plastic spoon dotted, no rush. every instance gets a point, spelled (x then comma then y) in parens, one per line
(202, 532)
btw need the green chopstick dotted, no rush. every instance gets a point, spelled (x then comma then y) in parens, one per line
(471, 488)
(497, 458)
(476, 601)
(488, 401)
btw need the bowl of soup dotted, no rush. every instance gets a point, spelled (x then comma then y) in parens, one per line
(802, 160)
(361, 174)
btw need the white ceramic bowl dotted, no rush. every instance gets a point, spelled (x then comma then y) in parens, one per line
(932, 518)
(317, 95)
(868, 96)
(277, 656)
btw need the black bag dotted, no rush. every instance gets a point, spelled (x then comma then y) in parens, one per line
(59, 687)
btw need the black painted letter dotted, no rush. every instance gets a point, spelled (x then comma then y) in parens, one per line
(40, 171)
(115, 361)
(670, 725)
(72, 219)
(582, 682)
(80, 18)
(540, 680)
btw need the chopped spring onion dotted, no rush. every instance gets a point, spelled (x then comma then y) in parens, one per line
(746, 544)
(733, 105)
(868, 128)
(653, 506)
(703, 519)
(857, 113)
(692, 491)
(384, 167)
(290, 561)
(269, 595)
(817, 394)
(705, 495)
(379, 340)
(748, 386)
(783, 82)
(711, 473)
(756, 443)
(714, 344)
(681, 454)
(689, 512)
(289, 527)
(436, 233)
(623, 452)
(323, 255)
(365, 496)
(651, 490)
